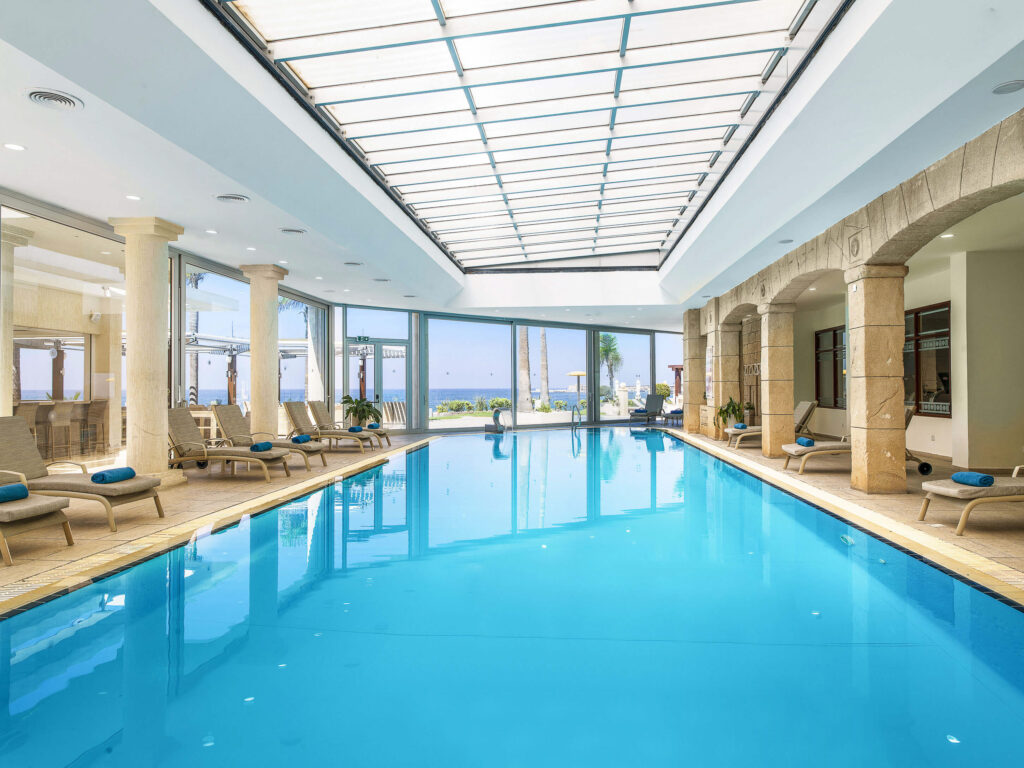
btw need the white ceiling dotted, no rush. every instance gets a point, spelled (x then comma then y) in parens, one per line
(177, 112)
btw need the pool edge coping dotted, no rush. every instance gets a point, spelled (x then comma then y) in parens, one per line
(102, 565)
(977, 570)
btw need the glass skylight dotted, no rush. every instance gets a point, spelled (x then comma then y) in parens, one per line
(523, 130)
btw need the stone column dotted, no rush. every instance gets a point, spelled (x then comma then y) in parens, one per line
(263, 293)
(106, 367)
(776, 377)
(693, 370)
(146, 337)
(875, 361)
(10, 238)
(726, 369)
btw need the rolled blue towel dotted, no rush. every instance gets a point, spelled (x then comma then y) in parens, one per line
(113, 475)
(301, 439)
(260, 447)
(806, 442)
(373, 425)
(355, 429)
(739, 425)
(977, 479)
(640, 410)
(676, 410)
(13, 492)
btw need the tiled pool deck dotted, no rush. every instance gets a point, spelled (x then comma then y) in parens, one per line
(991, 553)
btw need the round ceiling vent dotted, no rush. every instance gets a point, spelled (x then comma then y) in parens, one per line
(46, 97)
(292, 231)
(233, 197)
(1011, 86)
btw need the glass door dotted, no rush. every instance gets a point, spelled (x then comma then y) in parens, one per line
(377, 371)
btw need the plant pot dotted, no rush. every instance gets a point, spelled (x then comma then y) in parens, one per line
(748, 416)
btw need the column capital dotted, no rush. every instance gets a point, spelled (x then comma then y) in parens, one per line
(15, 236)
(264, 272)
(776, 309)
(147, 225)
(854, 274)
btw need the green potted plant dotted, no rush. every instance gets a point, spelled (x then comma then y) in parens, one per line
(748, 413)
(731, 410)
(360, 410)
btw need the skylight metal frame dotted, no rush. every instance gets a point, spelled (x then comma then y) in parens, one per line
(491, 138)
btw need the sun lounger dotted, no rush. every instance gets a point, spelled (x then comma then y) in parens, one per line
(236, 432)
(21, 515)
(188, 444)
(18, 454)
(650, 412)
(302, 425)
(322, 417)
(839, 447)
(801, 417)
(1005, 489)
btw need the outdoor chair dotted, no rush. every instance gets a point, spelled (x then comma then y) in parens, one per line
(19, 455)
(651, 411)
(801, 418)
(1004, 489)
(235, 429)
(27, 514)
(322, 417)
(188, 444)
(302, 425)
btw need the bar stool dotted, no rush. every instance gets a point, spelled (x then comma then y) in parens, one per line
(28, 412)
(60, 418)
(96, 424)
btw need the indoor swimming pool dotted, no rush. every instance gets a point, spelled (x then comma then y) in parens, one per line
(612, 597)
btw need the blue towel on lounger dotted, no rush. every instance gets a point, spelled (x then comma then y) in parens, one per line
(355, 429)
(113, 475)
(676, 410)
(640, 410)
(977, 479)
(301, 439)
(806, 442)
(373, 425)
(739, 425)
(260, 447)
(13, 492)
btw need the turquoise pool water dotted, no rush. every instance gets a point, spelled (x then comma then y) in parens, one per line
(530, 600)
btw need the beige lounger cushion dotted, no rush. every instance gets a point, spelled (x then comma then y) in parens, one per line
(747, 431)
(33, 506)
(313, 446)
(79, 483)
(242, 453)
(1004, 486)
(795, 449)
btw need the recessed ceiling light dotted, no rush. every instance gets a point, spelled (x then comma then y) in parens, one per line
(14, 147)
(1010, 86)
(283, 261)
(104, 253)
(812, 288)
(946, 236)
(250, 248)
(346, 290)
(318, 278)
(132, 197)
(568, 310)
(353, 263)
(211, 231)
(786, 241)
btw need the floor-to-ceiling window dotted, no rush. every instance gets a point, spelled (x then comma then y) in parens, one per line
(668, 368)
(469, 370)
(216, 337)
(302, 349)
(62, 306)
(624, 372)
(551, 366)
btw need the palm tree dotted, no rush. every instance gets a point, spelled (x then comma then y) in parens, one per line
(608, 354)
(524, 402)
(545, 395)
(192, 280)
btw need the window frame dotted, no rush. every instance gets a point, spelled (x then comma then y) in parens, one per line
(916, 338)
(837, 332)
